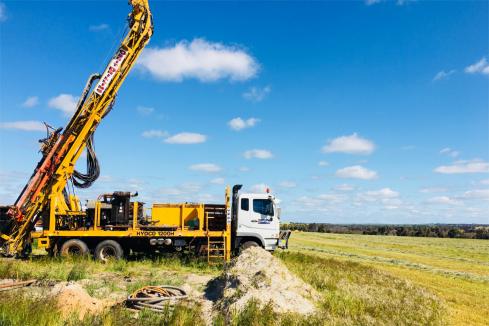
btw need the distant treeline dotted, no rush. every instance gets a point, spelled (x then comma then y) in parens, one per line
(468, 231)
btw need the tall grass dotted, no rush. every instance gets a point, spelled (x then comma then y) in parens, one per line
(76, 268)
(23, 310)
(351, 294)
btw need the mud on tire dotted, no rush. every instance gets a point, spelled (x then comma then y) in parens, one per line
(74, 247)
(108, 249)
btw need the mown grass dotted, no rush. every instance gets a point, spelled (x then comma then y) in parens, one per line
(356, 294)
(456, 270)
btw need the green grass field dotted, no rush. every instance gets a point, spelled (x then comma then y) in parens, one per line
(455, 270)
(362, 280)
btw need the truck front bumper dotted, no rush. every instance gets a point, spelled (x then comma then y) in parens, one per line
(271, 244)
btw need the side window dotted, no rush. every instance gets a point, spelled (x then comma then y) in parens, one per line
(245, 204)
(263, 206)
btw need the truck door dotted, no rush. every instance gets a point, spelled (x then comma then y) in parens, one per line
(257, 215)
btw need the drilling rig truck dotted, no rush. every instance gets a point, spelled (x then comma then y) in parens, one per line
(114, 225)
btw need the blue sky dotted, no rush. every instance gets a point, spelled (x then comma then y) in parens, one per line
(351, 112)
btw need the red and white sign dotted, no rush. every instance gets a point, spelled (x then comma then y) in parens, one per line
(110, 72)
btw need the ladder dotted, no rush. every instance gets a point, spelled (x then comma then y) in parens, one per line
(216, 250)
(217, 245)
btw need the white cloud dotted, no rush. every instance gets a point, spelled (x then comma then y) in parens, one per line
(31, 102)
(198, 59)
(443, 200)
(287, 184)
(257, 94)
(384, 193)
(352, 144)
(239, 124)
(331, 198)
(398, 2)
(3, 12)
(321, 203)
(473, 166)
(217, 181)
(450, 152)
(143, 110)
(205, 167)
(344, 187)
(183, 189)
(323, 163)
(244, 169)
(66, 103)
(386, 196)
(23, 125)
(260, 188)
(480, 66)
(443, 74)
(484, 182)
(98, 28)
(356, 172)
(154, 134)
(258, 153)
(430, 190)
(477, 194)
(186, 138)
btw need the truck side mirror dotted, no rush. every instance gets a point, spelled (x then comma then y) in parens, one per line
(279, 212)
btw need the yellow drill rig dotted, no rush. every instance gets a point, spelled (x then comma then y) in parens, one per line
(44, 196)
(113, 225)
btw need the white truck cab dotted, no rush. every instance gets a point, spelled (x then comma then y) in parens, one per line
(256, 220)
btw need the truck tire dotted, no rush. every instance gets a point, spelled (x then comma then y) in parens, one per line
(74, 247)
(108, 249)
(248, 244)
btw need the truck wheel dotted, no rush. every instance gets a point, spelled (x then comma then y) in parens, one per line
(74, 247)
(248, 244)
(108, 249)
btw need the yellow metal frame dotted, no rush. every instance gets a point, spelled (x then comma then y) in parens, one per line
(134, 231)
(44, 189)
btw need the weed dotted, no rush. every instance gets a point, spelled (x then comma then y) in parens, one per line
(78, 271)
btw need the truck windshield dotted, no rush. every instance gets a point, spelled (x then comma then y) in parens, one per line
(263, 206)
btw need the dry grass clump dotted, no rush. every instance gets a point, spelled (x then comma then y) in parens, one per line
(350, 294)
(22, 309)
(356, 294)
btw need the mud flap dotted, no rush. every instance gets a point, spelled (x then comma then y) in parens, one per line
(283, 240)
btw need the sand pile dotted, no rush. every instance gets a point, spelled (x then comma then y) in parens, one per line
(256, 274)
(72, 298)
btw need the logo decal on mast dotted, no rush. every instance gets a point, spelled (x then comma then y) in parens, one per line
(111, 70)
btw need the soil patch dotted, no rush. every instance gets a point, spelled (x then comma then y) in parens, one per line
(72, 298)
(257, 275)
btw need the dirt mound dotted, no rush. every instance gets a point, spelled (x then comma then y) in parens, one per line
(72, 298)
(257, 275)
